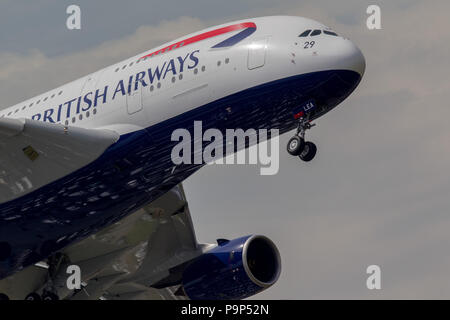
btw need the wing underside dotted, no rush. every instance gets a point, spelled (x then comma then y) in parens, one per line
(35, 153)
(136, 258)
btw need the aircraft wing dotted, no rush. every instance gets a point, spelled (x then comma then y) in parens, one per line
(140, 257)
(29, 147)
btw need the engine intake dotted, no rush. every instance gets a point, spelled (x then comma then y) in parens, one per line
(235, 269)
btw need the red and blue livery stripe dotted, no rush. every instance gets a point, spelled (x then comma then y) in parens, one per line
(247, 28)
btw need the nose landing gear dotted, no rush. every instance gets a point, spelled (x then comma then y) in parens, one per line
(297, 146)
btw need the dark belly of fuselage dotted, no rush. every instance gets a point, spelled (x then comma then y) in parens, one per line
(138, 168)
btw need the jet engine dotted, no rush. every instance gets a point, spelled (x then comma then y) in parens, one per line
(234, 269)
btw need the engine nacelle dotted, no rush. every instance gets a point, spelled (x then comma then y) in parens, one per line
(235, 269)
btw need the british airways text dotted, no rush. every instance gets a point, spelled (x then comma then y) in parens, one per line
(123, 87)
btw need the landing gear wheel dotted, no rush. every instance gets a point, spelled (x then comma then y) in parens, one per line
(33, 297)
(3, 297)
(295, 145)
(49, 296)
(309, 152)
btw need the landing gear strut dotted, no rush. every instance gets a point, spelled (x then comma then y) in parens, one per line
(56, 264)
(297, 146)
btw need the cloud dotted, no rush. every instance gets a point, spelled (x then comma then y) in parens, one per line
(25, 75)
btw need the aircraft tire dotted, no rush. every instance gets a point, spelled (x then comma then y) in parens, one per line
(309, 152)
(49, 296)
(295, 145)
(33, 297)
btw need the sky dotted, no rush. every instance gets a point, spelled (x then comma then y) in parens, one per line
(378, 191)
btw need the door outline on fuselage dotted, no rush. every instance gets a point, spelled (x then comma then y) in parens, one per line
(91, 83)
(134, 101)
(257, 52)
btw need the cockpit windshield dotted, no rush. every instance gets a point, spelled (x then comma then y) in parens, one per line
(316, 32)
(305, 33)
(330, 33)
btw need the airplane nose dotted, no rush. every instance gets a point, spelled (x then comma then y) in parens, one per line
(351, 57)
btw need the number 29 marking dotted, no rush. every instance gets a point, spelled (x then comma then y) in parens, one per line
(309, 44)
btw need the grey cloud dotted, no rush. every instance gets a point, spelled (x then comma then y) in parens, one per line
(17, 70)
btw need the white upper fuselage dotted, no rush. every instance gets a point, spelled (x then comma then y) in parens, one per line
(206, 75)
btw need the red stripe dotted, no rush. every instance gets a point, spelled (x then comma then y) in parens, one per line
(203, 36)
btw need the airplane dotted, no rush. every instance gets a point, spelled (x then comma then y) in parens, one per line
(86, 176)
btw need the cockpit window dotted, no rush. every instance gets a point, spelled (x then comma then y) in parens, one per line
(317, 32)
(330, 33)
(305, 34)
